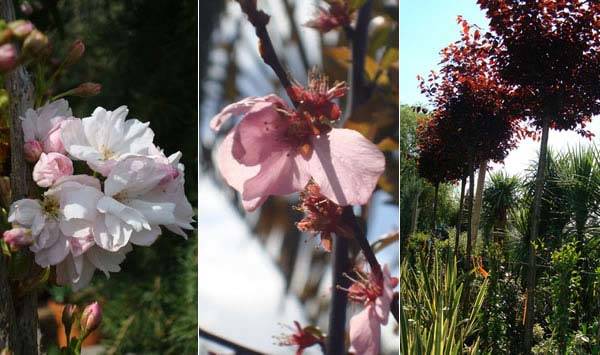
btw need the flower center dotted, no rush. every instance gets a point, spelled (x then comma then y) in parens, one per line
(51, 206)
(106, 153)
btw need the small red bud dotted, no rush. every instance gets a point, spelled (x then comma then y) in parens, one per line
(90, 318)
(17, 238)
(70, 312)
(33, 150)
(8, 57)
(87, 90)
(75, 53)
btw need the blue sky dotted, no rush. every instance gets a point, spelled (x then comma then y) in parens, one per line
(425, 28)
(428, 26)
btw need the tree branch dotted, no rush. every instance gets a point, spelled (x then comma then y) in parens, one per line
(259, 20)
(239, 349)
(20, 91)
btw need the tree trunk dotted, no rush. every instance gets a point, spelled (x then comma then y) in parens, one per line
(20, 91)
(535, 221)
(470, 215)
(461, 206)
(435, 202)
(478, 200)
(415, 215)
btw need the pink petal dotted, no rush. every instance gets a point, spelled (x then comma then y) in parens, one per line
(260, 133)
(346, 166)
(382, 303)
(240, 108)
(282, 173)
(365, 332)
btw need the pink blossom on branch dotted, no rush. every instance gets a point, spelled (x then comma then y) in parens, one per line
(50, 168)
(42, 127)
(375, 294)
(301, 337)
(276, 150)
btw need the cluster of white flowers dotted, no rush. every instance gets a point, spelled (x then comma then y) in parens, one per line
(83, 222)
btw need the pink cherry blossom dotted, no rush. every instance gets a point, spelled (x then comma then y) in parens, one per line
(45, 124)
(51, 167)
(17, 237)
(33, 150)
(275, 150)
(375, 294)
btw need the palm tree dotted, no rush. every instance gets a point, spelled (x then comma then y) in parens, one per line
(500, 198)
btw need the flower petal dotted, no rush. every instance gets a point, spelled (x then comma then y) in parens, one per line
(240, 108)
(346, 166)
(365, 332)
(282, 173)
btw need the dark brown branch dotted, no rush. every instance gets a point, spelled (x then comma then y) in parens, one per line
(239, 349)
(259, 20)
(362, 241)
(20, 92)
(336, 335)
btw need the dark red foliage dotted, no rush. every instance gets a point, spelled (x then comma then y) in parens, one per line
(549, 52)
(471, 121)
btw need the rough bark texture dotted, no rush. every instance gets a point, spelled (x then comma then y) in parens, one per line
(20, 91)
(478, 201)
(535, 222)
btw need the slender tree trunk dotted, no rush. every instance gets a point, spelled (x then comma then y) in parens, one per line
(461, 206)
(415, 215)
(470, 215)
(535, 221)
(20, 90)
(435, 203)
(478, 200)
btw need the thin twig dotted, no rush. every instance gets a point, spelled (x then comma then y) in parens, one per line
(259, 20)
(239, 349)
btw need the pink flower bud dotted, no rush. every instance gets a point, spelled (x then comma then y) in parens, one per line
(75, 53)
(70, 312)
(33, 150)
(8, 57)
(51, 167)
(35, 43)
(17, 238)
(87, 90)
(90, 318)
(26, 8)
(21, 28)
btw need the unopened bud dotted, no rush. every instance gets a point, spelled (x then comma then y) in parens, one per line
(35, 43)
(17, 238)
(33, 150)
(90, 318)
(70, 312)
(8, 57)
(87, 90)
(21, 28)
(26, 8)
(75, 53)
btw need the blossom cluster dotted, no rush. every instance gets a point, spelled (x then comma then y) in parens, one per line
(277, 150)
(85, 222)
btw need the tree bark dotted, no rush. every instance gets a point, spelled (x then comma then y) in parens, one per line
(20, 90)
(415, 215)
(461, 206)
(535, 221)
(435, 202)
(470, 215)
(478, 200)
